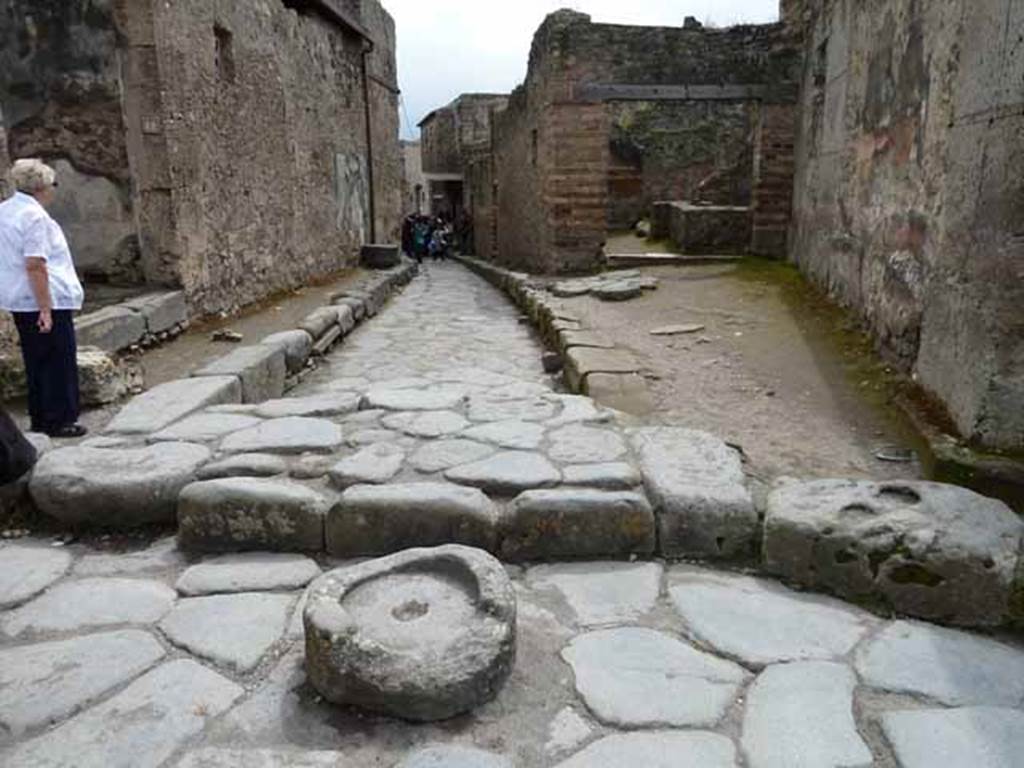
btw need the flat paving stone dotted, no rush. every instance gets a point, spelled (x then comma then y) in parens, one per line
(375, 464)
(578, 444)
(296, 434)
(576, 409)
(87, 603)
(953, 667)
(800, 715)
(602, 593)
(428, 424)
(230, 630)
(483, 407)
(204, 427)
(435, 398)
(161, 555)
(141, 726)
(363, 437)
(508, 434)
(759, 622)
(696, 484)
(44, 683)
(567, 731)
(245, 465)
(973, 737)
(221, 757)
(658, 749)
(451, 756)
(115, 486)
(639, 678)
(609, 476)
(28, 569)
(328, 404)
(248, 572)
(377, 520)
(507, 472)
(443, 454)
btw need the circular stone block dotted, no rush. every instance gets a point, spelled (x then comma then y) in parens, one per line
(424, 634)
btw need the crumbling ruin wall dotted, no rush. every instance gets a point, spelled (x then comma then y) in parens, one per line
(910, 192)
(440, 142)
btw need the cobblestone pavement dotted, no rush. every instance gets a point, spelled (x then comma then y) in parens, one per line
(162, 657)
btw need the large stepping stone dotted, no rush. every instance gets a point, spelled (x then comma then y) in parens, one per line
(929, 550)
(602, 593)
(577, 522)
(973, 737)
(205, 427)
(115, 486)
(695, 482)
(230, 630)
(444, 454)
(168, 707)
(250, 513)
(290, 435)
(800, 715)
(508, 434)
(578, 444)
(375, 464)
(639, 678)
(44, 683)
(953, 667)
(28, 569)
(759, 622)
(378, 520)
(297, 346)
(166, 403)
(657, 749)
(261, 369)
(88, 603)
(328, 404)
(248, 572)
(453, 756)
(507, 472)
(423, 635)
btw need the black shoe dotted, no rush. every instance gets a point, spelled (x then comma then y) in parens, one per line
(68, 431)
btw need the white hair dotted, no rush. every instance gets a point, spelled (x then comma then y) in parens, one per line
(31, 175)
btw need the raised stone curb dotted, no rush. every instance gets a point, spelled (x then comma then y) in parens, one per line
(297, 346)
(163, 312)
(260, 368)
(111, 328)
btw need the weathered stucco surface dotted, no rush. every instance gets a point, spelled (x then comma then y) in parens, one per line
(910, 192)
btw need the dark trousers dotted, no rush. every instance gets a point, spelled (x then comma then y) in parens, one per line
(51, 366)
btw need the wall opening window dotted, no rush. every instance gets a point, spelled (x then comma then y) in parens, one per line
(224, 54)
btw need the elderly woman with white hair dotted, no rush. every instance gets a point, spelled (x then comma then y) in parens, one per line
(39, 286)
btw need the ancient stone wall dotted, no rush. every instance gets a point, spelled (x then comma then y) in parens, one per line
(414, 183)
(910, 191)
(440, 142)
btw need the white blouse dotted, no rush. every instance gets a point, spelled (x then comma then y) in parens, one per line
(27, 231)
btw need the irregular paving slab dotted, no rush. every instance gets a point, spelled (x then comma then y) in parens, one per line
(250, 513)
(141, 726)
(658, 749)
(442, 397)
(429, 424)
(485, 408)
(245, 465)
(639, 678)
(261, 369)
(611, 476)
(28, 569)
(443, 454)
(800, 715)
(161, 555)
(602, 592)
(115, 486)
(695, 482)
(377, 520)
(759, 622)
(289, 435)
(204, 427)
(508, 434)
(425, 634)
(974, 737)
(77, 605)
(567, 731)
(329, 404)
(375, 464)
(166, 403)
(248, 572)
(232, 630)
(213, 757)
(507, 472)
(453, 756)
(44, 683)
(929, 550)
(577, 522)
(578, 444)
(297, 346)
(953, 667)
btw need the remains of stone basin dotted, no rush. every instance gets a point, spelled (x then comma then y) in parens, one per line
(424, 634)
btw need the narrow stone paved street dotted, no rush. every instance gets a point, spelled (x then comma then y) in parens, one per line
(433, 422)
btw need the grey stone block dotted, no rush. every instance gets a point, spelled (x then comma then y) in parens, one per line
(166, 403)
(28, 570)
(297, 346)
(357, 305)
(261, 369)
(250, 513)
(161, 311)
(288, 435)
(319, 321)
(248, 572)
(577, 522)
(111, 329)
(346, 318)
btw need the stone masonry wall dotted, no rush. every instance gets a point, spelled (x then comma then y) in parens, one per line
(910, 192)
(440, 142)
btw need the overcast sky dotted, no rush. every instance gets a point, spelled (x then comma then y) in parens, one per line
(448, 47)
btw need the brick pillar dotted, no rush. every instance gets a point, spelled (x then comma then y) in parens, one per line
(772, 195)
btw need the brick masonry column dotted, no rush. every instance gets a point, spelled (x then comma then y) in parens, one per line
(772, 194)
